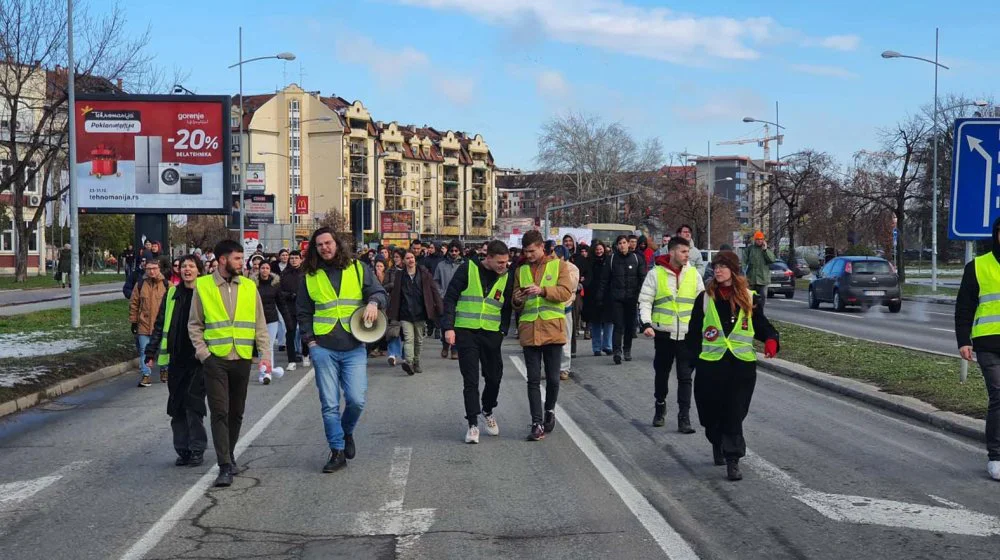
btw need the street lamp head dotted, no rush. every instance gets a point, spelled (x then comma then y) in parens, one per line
(891, 54)
(980, 103)
(285, 56)
(749, 119)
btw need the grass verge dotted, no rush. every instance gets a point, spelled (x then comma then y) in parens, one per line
(32, 282)
(40, 349)
(928, 377)
(909, 290)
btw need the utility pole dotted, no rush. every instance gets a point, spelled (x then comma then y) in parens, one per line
(74, 197)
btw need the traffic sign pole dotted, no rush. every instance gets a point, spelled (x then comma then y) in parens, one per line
(970, 253)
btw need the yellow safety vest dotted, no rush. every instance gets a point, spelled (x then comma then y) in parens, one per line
(666, 307)
(476, 311)
(222, 332)
(537, 307)
(164, 358)
(987, 322)
(715, 343)
(331, 307)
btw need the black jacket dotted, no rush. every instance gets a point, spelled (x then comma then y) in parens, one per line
(763, 331)
(968, 301)
(622, 277)
(338, 339)
(487, 278)
(269, 292)
(288, 288)
(593, 308)
(186, 382)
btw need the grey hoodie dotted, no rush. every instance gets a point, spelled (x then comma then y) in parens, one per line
(445, 271)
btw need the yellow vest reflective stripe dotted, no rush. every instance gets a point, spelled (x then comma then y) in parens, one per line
(537, 307)
(987, 321)
(330, 306)
(476, 311)
(164, 358)
(221, 331)
(666, 307)
(715, 343)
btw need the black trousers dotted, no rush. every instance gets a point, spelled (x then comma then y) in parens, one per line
(291, 326)
(761, 290)
(669, 351)
(189, 432)
(186, 407)
(534, 357)
(226, 385)
(722, 391)
(479, 354)
(623, 316)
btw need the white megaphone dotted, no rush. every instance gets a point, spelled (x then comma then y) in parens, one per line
(365, 331)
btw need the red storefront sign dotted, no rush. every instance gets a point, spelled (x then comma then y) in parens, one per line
(301, 205)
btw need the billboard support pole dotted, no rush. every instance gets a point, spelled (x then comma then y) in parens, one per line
(243, 148)
(74, 202)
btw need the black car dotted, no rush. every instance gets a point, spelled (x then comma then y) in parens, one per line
(856, 281)
(782, 280)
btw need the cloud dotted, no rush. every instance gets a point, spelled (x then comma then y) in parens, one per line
(654, 33)
(822, 70)
(388, 66)
(551, 83)
(723, 107)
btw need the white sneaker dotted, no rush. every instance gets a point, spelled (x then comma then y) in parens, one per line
(993, 467)
(265, 378)
(305, 362)
(491, 424)
(472, 436)
(392, 361)
(291, 366)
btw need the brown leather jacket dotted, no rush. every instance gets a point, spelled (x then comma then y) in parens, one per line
(541, 332)
(145, 304)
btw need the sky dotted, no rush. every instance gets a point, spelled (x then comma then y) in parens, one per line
(686, 72)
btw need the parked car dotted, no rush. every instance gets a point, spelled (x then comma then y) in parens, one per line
(800, 268)
(782, 280)
(856, 281)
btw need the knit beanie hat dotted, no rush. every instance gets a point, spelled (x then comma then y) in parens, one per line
(729, 260)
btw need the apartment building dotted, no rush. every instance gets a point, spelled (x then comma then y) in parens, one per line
(743, 181)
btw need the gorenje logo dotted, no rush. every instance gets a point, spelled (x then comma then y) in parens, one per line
(190, 116)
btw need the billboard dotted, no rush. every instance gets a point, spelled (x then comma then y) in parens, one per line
(302, 205)
(255, 177)
(396, 221)
(257, 209)
(153, 154)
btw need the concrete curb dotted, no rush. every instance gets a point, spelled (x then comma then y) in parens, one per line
(945, 300)
(907, 406)
(82, 295)
(66, 386)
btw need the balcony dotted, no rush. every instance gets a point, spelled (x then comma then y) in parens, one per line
(393, 170)
(451, 161)
(450, 230)
(428, 193)
(359, 185)
(393, 190)
(478, 195)
(358, 149)
(428, 176)
(358, 169)
(361, 133)
(450, 211)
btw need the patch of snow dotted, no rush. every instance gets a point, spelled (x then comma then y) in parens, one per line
(11, 377)
(27, 345)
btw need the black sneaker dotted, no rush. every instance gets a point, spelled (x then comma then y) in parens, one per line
(196, 459)
(417, 369)
(618, 359)
(733, 469)
(684, 423)
(537, 433)
(336, 462)
(349, 449)
(408, 368)
(183, 459)
(628, 355)
(225, 478)
(608, 352)
(597, 353)
(550, 421)
(659, 410)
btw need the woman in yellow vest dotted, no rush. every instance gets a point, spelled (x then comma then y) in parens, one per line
(724, 323)
(186, 384)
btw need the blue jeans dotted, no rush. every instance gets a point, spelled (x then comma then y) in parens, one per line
(396, 347)
(142, 343)
(600, 336)
(336, 372)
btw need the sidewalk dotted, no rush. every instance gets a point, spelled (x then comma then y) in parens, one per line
(22, 297)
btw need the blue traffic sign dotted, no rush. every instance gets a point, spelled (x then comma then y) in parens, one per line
(975, 170)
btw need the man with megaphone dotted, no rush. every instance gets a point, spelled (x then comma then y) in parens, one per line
(477, 309)
(334, 286)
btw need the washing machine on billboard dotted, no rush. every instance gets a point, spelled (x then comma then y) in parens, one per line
(170, 178)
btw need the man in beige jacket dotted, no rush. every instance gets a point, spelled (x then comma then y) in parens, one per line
(227, 364)
(542, 285)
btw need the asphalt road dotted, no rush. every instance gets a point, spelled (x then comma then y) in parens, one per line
(17, 302)
(927, 326)
(91, 476)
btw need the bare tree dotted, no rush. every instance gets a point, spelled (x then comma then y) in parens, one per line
(33, 93)
(891, 179)
(588, 158)
(797, 188)
(200, 231)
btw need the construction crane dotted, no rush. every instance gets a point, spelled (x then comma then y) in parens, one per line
(764, 142)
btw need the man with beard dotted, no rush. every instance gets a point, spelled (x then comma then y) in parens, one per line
(334, 286)
(227, 317)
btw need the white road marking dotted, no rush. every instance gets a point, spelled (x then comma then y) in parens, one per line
(390, 519)
(163, 526)
(12, 493)
(669, 540)
(943, 330)
(800, 302)
(939, 313)
(873, 511)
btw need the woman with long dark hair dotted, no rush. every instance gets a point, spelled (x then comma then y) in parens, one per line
(598, 318)
(269, 287)
(725, 321)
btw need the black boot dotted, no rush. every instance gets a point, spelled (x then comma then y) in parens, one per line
(628, 355)
(618, 359)
(349, 449)
(733, 469)
(684, 423)
(183, 459)
(197, 458)
(717, 455)
(660, 410)
(225, 477)
(336, 462)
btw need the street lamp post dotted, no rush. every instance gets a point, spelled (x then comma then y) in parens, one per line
(934, 195)
(777, 146)
(243, 170)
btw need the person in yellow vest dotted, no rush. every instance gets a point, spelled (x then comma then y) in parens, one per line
(725, 321)
(977, 328)
(666, 301)
(186, 384)
(227, 318)
(541, 287)
(477, 307)
(334, 286)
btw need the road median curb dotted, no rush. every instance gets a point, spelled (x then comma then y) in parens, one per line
(82, 295)
(66, 386)
(907, 406)
(944, 300)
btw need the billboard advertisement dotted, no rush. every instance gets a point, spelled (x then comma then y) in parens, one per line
(396, 221)
(258, 209)
(255, 177)
(153, 154)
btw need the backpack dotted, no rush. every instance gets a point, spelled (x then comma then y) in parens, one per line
(133, 282)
